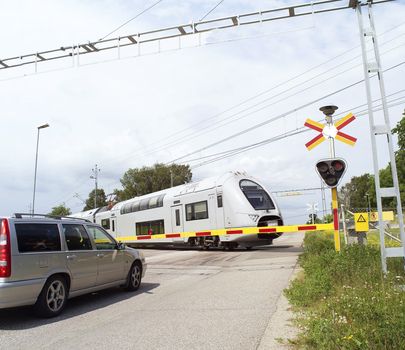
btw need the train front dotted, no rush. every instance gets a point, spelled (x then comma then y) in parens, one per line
(251, 205)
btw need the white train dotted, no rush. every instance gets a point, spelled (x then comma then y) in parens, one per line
(231, 200)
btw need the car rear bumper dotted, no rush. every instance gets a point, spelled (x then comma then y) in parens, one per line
(20, 293)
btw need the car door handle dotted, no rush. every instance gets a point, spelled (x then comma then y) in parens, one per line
(71, 257)
(100, 255)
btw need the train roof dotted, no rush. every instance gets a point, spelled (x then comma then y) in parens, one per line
(190, 187)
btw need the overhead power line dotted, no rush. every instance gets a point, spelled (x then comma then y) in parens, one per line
(282, 115)
(234, 152)
(210, 11)
(130, 20)
(199, 128)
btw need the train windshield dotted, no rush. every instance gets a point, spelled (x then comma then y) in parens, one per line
(256, 195)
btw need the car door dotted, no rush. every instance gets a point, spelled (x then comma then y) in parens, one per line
(111, 262)
(81, 257)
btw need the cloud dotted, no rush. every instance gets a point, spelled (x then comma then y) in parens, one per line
(115, 114)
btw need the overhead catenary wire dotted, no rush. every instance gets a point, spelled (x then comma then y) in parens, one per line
(215, 126)
(210, 11)
(130, 20)
(275, 138)
(280, 115)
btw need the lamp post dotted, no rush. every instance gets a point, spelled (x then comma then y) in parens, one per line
(36, 164)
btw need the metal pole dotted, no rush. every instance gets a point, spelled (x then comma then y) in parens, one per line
(384, 104)
(372, 128)
(342, 208)
(36, 165)
(328, 111)
(95, 177)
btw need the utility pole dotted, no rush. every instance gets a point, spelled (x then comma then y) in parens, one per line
(171, 178)
(331, 131)
(44, 126)
(94, 176)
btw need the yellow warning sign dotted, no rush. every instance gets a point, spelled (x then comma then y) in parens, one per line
(361, 222)
(387, 216)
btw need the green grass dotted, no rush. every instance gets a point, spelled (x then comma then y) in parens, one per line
(344, 301)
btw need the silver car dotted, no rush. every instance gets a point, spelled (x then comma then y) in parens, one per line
(46, 260)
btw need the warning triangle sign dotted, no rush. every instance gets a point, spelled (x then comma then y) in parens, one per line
(361, 219)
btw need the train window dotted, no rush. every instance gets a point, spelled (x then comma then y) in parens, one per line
(144, 204)
(147, 203)
(177, 217)
(134, 207)
(153, 202)
(105, 223)
(256, 195)
(160, 200)
(126, 208)
(150, 227)
(113, 225)
(197, 211)
(219, 200)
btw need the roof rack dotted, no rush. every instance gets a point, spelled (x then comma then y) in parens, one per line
(58, 217)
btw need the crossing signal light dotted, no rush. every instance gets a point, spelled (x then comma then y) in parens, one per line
(331, 170)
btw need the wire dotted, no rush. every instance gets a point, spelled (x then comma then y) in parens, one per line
(280, 116)
(136, 16)
(215, 126)
(212, 10)
(232, 152)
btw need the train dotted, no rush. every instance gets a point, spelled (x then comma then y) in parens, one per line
(230, 200)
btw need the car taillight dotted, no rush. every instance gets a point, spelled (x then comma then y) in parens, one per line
(5, 249)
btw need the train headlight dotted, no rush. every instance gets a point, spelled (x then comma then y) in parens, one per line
(254, 217)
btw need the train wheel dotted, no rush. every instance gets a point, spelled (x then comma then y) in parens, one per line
(249, 248)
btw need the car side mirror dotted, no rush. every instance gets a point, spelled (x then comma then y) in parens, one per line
(121, 246)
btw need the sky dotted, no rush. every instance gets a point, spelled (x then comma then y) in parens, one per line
(185, 100)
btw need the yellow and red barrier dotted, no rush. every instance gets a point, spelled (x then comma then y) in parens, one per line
(232, 231)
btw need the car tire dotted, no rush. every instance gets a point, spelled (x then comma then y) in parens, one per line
(134, 277)
(53, 297)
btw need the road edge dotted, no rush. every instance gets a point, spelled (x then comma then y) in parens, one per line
(280, 327)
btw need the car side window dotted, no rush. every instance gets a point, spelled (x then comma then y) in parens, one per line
(36, 237)
(101, 238)
(76, 237)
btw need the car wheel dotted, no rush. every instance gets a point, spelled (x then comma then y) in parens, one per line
(134, 277)
(53, 297)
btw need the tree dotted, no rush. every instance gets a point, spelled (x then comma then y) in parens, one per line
(101, 199)
(385, 174)
(140, 181)
(60, 210)
(354, 193)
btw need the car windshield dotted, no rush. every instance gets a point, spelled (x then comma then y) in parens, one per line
(256, 195)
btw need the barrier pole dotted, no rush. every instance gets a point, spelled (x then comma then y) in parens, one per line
(335, 219)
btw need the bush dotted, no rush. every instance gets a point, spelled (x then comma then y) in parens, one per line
(345, 301)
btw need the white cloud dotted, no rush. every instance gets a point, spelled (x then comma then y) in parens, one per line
(115, 113)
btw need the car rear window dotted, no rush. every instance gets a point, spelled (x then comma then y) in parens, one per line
(37, 237)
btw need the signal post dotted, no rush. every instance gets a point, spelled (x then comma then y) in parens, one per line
(331, 170)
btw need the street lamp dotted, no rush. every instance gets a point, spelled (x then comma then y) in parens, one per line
(36, 164)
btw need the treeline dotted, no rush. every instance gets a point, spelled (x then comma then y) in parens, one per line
(360, 191)
(137, 182)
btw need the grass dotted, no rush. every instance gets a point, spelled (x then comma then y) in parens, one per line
(344, 301)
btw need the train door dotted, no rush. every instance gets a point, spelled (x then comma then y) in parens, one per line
(113, 227)
(212, 210)
(220, 208)
(177, 218)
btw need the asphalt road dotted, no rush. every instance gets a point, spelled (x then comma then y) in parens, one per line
(189, 299)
